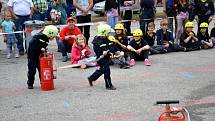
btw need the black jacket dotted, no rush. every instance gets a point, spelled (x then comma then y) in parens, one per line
(204, 8)
(149, 39)
(36, 43)
(183, 37)
(147, 3)
(203, 37)
(123, 39)
(160, 36)
(212, 34)
(101, 44)
(111, 4)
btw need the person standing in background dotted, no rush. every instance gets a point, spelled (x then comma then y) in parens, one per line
(204, 11)
(168, 8)
(21, 10)
(8, 27)
(70, 9)
(182, 15)
(40, 8)
(127, 14)
(147, 13)
(83, 15)
(112, 12)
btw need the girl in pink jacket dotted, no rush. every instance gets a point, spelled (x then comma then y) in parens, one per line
(81, 53)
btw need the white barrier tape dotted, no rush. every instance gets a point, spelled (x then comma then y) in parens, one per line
(84, 24)
(92, 23)
(12, 32)
(103, 22)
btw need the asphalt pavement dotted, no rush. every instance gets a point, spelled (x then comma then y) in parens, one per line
(185, 76)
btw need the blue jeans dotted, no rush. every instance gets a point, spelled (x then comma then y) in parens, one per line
(19, 23)
(64, 47)
(112, 20)
(38, 16)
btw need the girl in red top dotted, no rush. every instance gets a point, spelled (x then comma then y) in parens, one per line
(81, 53)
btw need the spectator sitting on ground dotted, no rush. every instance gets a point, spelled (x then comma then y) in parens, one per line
(212, 34)
(203, 37)
(188, 38)
(150, 36)
(81, 53)
(139, 49)
(67, 36)
(120, 44)
(165, 38)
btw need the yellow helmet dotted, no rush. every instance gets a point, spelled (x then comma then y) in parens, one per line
(103, 30)
(119, 26)
(189, 24)
(138, 32)
(50, 31)
(204, 25)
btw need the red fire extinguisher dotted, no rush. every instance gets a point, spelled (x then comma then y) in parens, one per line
(47, 71)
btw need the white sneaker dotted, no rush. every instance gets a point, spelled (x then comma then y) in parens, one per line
(8, 56)
(17, 55)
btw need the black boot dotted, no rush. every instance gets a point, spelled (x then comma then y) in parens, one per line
(90, 81)
(30, 86)
(111, 88)
(109, 85)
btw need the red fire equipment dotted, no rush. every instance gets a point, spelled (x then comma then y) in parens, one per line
(46, 72)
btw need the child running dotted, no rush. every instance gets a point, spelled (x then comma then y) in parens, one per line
(102, 47)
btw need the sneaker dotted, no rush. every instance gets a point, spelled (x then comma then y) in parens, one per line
(30, 87)
(132, 62)
(111, 88)
(16, 55)
(8, 56)
(146, 62)
(64, 59)
(90, 81)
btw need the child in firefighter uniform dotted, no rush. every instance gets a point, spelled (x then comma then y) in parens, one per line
(102, 46)
(203, 37)
(37, 46)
